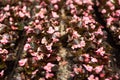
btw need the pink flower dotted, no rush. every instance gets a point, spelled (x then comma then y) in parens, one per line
(56, 7)
(54, 1)
(117, 12)
(68, 2)
(94, 59)
(24, 9)
(109, 3)
(102, 75)
(55, 40)
(40, 56)
(103, 11)
(58, 58)
(119, 2)
(7, 8)
(98, 69)
(100, 51)
(119, 36)
(80, 45)
(4, 41)
(75, 34)
(79, 2)
(34, 72)
(77, 70)
(27, 46)
(49, 46)
(50, 30)
(21, 14)
(1, 73)
(55, 15)
(44, 41)
(49, 75)
(48, 67)
(22, 62)
(99, 31)
(88, 67)
(92, 77)
(41, 13)
(109, 20)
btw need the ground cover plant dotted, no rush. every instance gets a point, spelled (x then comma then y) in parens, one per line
(59, 39)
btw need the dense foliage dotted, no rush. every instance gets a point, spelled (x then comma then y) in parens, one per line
(59, 39)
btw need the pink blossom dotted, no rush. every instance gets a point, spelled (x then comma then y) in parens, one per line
(39, 56)
(1, 73)
(100, 51)
(24, 9)
(79, 45)
(87, 1)
(22, 62)
(103, 11)
(14, 27)
(48, 67)
(55, 15)
(91, 77)
(79, 2)
(50, 30)
(109, 3)
(34, 72)
(49, 46)
(98, 69)
(119, 2)
(90, 7)
(2, 17)
(56, 7)
(109, 20)
(77, 70)
(42, 13)
(49, 75)
(99, 31)
(58, 58)
(4, 41)
(53, 1)
(102, 75)
(55, 40)
(7, 8)
(88, 67)
(82, 43)
(86, 55)
(107, 79)
(75, 46)
(117, 12)
(68, 2)
(75, 34)
(29, 39)
(94, 59)
(21, 14)
(72, 6)
(44, 41)
(119, 36)
(86, 19)
(27, 46)
(39, 27)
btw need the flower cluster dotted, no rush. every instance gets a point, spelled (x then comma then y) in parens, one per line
(49, 25)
